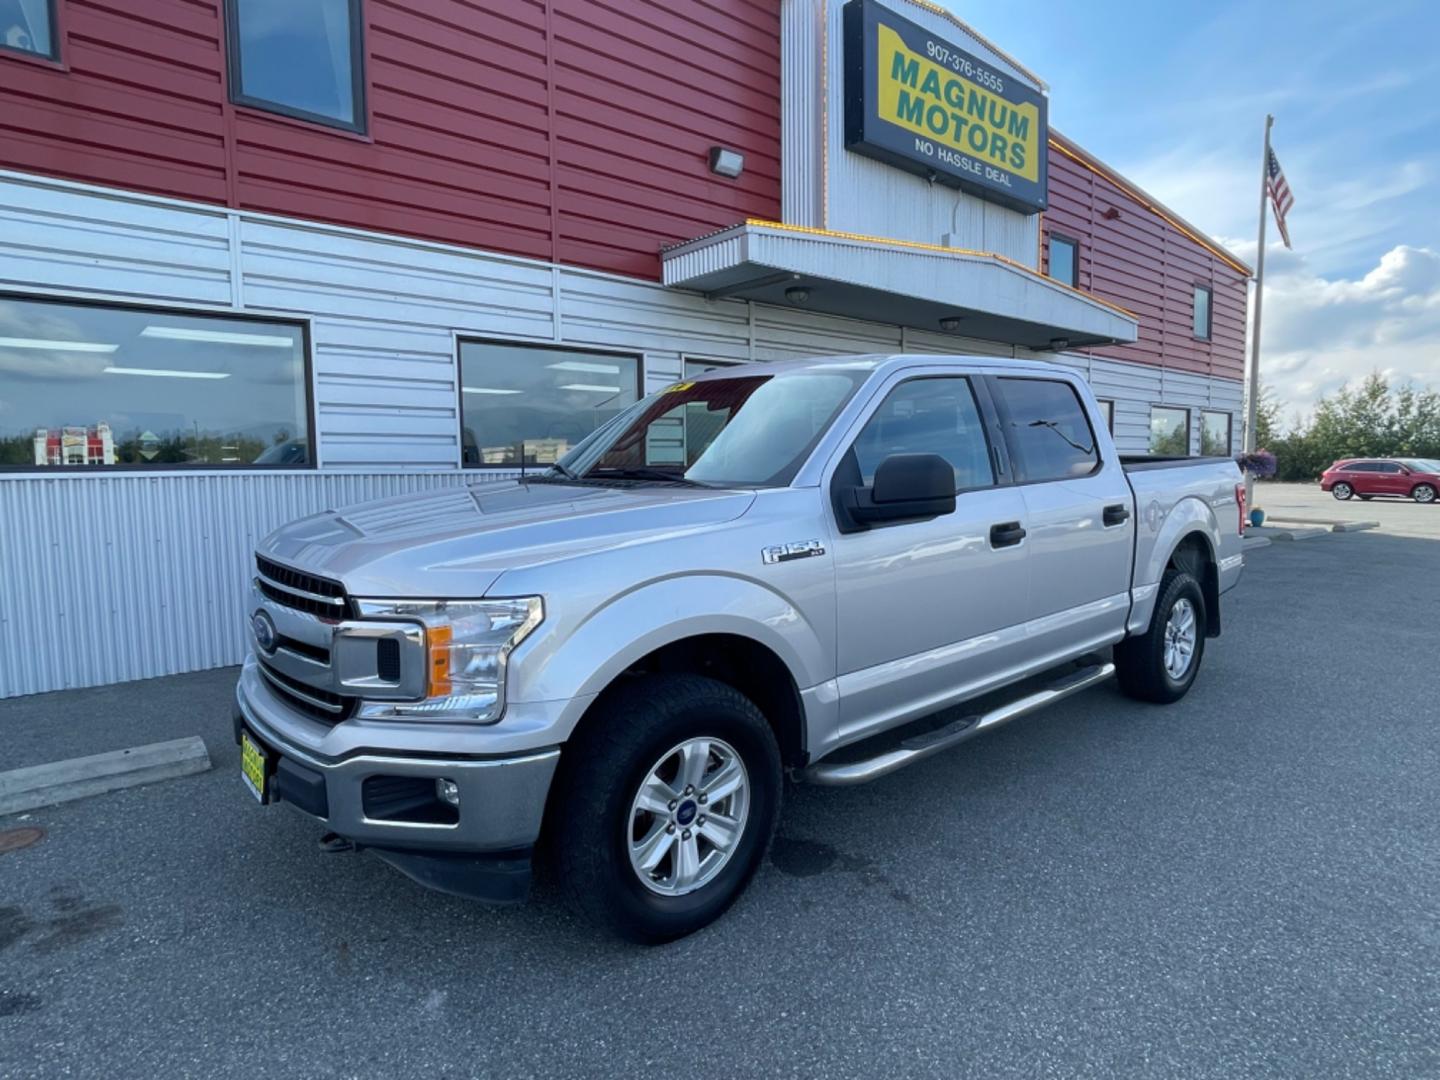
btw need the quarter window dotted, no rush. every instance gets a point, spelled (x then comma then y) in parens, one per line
(1064, 259)
(300, 58)
(1169, 431)
(928, 416)
(1201, 312)
(28, 26)
(531, 404)
(1215, 434)
(90, 386)
(1046, 429)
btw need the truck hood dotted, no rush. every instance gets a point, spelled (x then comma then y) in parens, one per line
(455, 542)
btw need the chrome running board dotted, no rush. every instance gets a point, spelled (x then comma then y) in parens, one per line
(919, 747)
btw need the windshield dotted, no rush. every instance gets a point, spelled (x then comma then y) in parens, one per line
(743, 431)
(1425, 465)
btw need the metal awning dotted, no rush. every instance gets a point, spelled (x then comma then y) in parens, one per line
(895, 281)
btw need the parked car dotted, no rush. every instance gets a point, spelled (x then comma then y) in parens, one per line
(778, 568)
(1365, 478)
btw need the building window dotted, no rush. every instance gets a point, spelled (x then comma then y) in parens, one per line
(694, 367)
(532, 403)
(1169, 431)
(1108, 408)
(28, 26)
(1065, 260)
(300, 58)
(1203, 305)
(86, 385)
(1215, 434)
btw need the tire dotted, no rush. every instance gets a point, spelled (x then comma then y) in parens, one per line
(637, 734)
(1342, 490)
(1423, 493)
(1140, 662)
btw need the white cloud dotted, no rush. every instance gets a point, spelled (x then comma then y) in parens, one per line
(1320, 332)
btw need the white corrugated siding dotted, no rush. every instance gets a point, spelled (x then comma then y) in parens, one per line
(130, 576)
(823, 185)
(105, 578)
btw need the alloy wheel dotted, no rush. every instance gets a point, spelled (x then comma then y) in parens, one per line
(1180, 637)
(688, 816)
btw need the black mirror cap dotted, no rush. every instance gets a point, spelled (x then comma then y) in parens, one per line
(905, 478)
(907, 487)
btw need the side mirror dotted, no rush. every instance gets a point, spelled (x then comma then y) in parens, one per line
(907, 487)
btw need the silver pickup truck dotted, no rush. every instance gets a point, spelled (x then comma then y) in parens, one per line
(776, 569)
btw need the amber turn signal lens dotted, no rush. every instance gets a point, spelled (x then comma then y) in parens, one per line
(438, 638)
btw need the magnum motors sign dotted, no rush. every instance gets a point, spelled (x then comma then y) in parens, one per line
(919, 102)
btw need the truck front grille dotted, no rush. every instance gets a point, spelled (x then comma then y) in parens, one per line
(296, 589)
(318, 704)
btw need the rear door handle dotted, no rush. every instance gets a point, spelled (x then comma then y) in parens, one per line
(1007, 534)
(1116, 515)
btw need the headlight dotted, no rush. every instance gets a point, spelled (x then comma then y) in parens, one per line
(466, 645)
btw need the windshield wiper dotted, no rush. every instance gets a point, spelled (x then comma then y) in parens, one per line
(642, 473)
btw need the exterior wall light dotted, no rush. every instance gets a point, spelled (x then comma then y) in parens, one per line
(797, 295)
(1059, 344)
(951, 323)
(726, 162)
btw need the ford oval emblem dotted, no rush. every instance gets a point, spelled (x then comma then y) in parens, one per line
(264, 631)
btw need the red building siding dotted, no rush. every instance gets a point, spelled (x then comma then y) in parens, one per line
(1134, 254)
(573, 130)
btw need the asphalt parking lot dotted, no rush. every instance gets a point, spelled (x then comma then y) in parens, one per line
(1244, 884)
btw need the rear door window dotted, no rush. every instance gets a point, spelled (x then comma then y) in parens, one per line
(1046, 428)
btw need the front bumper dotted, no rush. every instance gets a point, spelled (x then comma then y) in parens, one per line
(501, 804)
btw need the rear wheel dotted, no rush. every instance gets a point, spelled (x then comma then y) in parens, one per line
(1423, 493)
(1342, 490)
(1161, 664)
(668, 801)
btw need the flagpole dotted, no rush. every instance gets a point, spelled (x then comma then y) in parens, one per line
(1252, 409)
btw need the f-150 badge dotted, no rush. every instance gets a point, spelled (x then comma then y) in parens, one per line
(800, 549)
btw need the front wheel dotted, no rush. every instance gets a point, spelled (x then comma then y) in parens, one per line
(665, 806)
(1160, 665)
(1342, 491)
(1423, 493)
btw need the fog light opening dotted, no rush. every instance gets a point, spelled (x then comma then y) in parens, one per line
(447, 791)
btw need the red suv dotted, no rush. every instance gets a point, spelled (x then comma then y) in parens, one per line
(1408, 478)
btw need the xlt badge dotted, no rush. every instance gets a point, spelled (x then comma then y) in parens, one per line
(800, 549)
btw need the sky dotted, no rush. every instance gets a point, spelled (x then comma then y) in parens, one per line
(1174, 96)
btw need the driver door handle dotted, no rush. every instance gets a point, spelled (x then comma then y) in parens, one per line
(1007, 534)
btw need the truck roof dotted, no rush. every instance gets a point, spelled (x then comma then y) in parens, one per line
(879, 362)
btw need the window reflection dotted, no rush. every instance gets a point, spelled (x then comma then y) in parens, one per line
(1169, 431)
(537, 401)
(298, 57)
(88, 386)
(28, 26)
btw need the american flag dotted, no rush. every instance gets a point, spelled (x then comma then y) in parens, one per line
(1280, 196)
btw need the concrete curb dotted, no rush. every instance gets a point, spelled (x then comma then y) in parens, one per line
(1254, 543)
(78, 778)
(1333, 524)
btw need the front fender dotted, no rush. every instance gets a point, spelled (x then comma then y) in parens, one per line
(642, 620)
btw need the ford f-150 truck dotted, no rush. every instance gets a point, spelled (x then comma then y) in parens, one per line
(615, 660)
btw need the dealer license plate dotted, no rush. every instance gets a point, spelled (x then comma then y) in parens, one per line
(254, 766)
